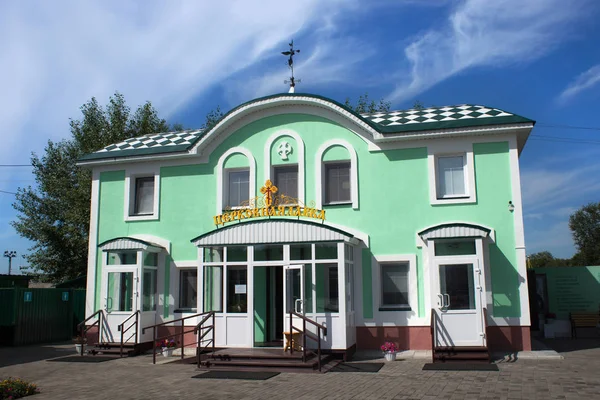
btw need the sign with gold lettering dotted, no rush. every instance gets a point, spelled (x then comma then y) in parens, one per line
(270, 205)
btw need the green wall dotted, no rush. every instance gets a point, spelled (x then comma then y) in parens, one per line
(394, 200)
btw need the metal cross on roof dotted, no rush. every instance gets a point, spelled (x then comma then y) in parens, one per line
(291, 54)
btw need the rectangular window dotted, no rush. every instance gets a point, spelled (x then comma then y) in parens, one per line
(144, 196)
(451, 177)
(286, 180)
(213, 289)
(188, 289)
(326, 251)
(213, 254)
(394, 285)
(300, 252)
(121, 258)
(120, 291)
(237, 288)
(337, 183)
(149, 290)
(326, 287)
(268, 253)
(239, 187)
(451, 247)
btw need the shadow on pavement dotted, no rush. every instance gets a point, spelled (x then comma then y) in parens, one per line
(26, 354)
(570, 345)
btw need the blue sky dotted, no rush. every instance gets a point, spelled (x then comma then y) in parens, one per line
(539, 59)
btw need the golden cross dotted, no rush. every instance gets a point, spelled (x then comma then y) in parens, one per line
(267, 190)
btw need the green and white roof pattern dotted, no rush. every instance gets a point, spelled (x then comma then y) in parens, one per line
(434, 115)
(422, 121)
(178, 139)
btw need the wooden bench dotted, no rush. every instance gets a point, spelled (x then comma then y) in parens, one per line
(583, 319)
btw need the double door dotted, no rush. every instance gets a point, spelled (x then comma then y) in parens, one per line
(458, 298)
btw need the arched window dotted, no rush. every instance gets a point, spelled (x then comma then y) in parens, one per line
(236, 178)
(284, 163)
(336, 174)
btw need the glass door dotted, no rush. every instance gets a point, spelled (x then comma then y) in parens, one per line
(120, 300)
(293, 289)
(458, 290)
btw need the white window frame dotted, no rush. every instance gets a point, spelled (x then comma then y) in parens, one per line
(179, 282)
(320, 173)
(226, 173)
(300, 156)
(413, 301)
(223, 184)
(448, 149)
(131, 175)
(326, 181)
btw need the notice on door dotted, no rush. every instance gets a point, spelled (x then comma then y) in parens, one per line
(240, 289)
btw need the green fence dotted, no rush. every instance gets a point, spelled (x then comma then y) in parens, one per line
(29, 316)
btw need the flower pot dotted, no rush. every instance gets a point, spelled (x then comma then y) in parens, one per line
(78, 347)
(390, 356)
(167, 351)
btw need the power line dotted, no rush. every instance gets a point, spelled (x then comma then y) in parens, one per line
(563, 139)
(16, 165)
(4, 191)
(589, 128)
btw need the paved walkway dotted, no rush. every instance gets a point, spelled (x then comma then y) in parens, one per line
(576, 376)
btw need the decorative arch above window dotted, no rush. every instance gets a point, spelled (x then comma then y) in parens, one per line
(336, 170)
(296, 148)
(235, 177)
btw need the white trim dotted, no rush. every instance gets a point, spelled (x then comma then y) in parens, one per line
(221, 176)
(319, 171)
(164, 243)
(519, 230)
(301, 161)
(186, 264)
(131, 174)
(90, 298)
(284, 105)
(433, 154)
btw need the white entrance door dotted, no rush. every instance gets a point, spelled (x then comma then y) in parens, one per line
(458, 293)
(120, 293)
(293, 289)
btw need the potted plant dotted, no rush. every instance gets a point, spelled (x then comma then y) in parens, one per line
(389, 350)
(167, 345)
(80, 344)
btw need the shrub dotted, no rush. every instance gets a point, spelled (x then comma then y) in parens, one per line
(15, 388)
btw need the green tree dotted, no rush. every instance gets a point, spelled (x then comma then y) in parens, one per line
(585, 226)
(365, 105)
(55, 214)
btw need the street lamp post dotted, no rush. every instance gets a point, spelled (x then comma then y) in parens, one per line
(10, 254)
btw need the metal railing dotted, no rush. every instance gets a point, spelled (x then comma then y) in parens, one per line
(180, 334)
(210, 328)
(305, 334)
(135, 333)
(83, 328)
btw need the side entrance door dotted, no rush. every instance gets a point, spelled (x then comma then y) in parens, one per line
(120, 292)
(458, 290)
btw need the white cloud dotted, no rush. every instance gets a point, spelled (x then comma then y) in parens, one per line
(584, 81)
(556, 238)
(62, 53)
(485, 33)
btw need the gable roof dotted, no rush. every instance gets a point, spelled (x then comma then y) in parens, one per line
(398, 123)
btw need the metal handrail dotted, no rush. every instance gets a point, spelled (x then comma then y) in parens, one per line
(181, 334)
(432, 330)
(83, 329)
(207, 329)
(120, 329)
(486, 331)
(305, 334)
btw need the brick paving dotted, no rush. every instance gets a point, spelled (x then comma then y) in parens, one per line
(577, 376)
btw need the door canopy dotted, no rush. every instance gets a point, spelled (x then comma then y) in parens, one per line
(273, 231)
(126, 243)
(456, 230)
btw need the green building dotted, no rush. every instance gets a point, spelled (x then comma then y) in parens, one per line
(367, 224)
